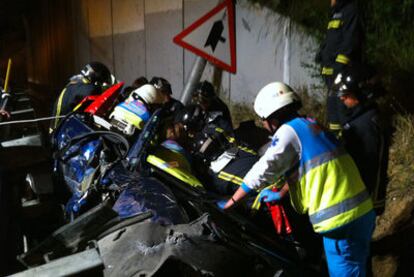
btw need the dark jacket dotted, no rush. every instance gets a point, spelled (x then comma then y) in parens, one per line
(74, 92)
(366, 136)
(216, 119)
(229, 179)
(343, 41)
(173, 106)
(217, 105)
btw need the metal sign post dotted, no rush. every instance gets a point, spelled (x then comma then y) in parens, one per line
(193, 79)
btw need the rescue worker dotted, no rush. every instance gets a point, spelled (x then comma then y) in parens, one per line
(322, 180)
(216, 158)
(205, 96)
(341, 48)
(136, 110)
(93, 77)
(171, 105)
(365, 134)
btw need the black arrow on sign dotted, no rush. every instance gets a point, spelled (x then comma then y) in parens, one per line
(215, 35)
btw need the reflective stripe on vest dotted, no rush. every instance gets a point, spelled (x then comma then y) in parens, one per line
(339, 208)
(327, 184)
(319, 160)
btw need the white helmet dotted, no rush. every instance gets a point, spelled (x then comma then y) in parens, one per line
(150, 94)
(274, 97)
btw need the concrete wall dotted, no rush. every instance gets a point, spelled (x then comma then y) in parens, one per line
(134, 38)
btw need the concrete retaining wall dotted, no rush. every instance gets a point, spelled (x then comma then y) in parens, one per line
(134, 38)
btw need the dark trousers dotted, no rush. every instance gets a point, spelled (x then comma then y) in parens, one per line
(335, 110)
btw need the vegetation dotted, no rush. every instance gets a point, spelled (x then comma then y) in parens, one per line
(389, 43)
(389, 47)
(401, 160)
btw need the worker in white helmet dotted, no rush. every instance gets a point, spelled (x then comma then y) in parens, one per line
(132, 114)
(323, 180)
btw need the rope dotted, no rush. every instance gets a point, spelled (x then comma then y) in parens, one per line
(30, 120)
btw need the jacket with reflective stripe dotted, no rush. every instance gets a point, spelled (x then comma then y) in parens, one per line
(74, 92)
(323, 179)
(344, 39)
(328, 185)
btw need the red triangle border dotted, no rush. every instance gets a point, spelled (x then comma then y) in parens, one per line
(178, 39)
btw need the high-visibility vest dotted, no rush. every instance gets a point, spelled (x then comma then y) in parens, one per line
(133, 112)
(327, 185)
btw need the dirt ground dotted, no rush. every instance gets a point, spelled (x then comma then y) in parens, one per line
(393, 240)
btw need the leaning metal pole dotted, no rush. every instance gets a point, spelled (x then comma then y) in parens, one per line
(193, 79)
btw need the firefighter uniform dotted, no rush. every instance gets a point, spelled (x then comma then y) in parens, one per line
(205, 96)
(367, 139)
(218, 106)
(78, 88)
(227, 180)
(173, 106)
(341, 48)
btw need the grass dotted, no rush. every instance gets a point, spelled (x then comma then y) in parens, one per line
(242, 112)
(311, 106)
(401, 160)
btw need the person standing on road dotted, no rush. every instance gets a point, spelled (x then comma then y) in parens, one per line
(322, 179)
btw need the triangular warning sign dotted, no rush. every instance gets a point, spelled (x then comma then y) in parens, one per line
(212, 37)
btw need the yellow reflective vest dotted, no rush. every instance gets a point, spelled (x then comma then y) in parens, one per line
(328, 184)
(323, 179)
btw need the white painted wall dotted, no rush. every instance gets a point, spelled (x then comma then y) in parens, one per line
(134, 38)
(129, 39)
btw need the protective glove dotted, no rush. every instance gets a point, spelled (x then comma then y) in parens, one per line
(220, 204)
(267, 195)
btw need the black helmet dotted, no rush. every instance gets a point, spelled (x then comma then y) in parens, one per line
(204, 91)
(347, 81)
(209, 147)
(97, 73)
(360, 81)
(139, 82)
(161, 84)
(192, 117)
